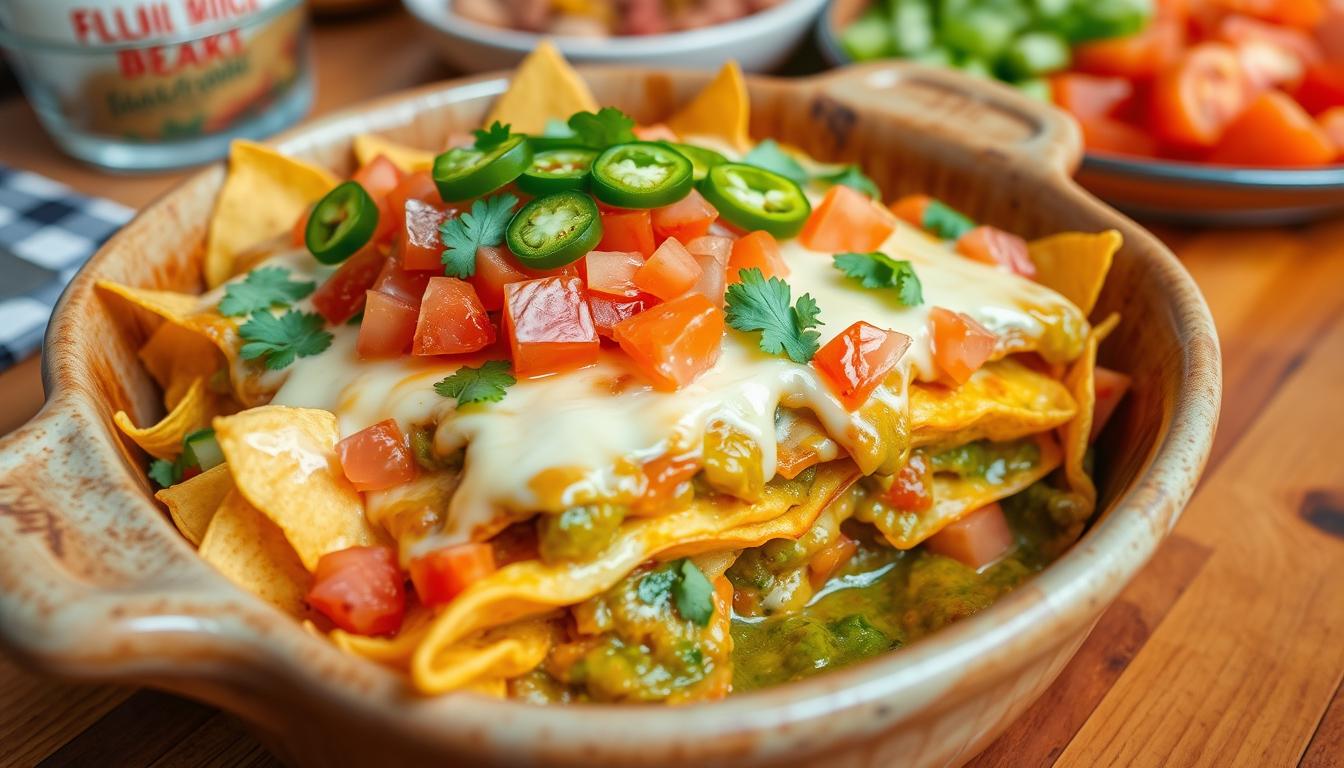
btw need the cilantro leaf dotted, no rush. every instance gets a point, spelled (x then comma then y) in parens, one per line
(757, 304)
(484, 384)
(165, 473)
(656, 586)
(492, 137)
(602, 129)
(850, 176)
(277, 341)
(484, 225)
(693, 594)
(263, 288)
(945, 221)
(771, 157)
(878, 270)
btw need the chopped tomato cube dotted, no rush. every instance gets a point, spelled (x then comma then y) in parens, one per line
(1134, 57)
(976, 540)
(444, 573)
(613, 272)
(341, 296)
(669, 272)
(655, 132)
(394, 280)
(608, 311)
(858, 359)
(912, 488)
(673, 343)
(360, 589)
(757, 249)
(1322, 87)
(1104, 134)
(685, 219)
(1274, 131)
(992, 245)
(846, 220)
(1194, 101)
(1110, 387)
(387, 328)
(418, 244)
(1293, 13)
(624, 230)
(1272, 55)
(1090, 96)
(415, 186)
(960, 344)
(379, 178)
(377, 457)
(1332, 122)
(712, 254)
(298, 236)
(495, 268)
(911, 208)
(550, 325)
(830, 558)
(666, 477)
(452, 320)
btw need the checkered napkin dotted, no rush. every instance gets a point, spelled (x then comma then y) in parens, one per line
(47, 231)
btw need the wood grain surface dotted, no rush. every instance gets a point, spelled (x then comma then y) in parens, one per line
(1225, 651)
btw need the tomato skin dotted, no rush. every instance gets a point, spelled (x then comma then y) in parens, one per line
(360, 589)
(608, 311)
(675, 342)
(854, 362)
(991, 245)
(976, 540)
(625, 230)
(377, 457)
(846, 220)
(912, 488)
(612, 273)
(1194, 101)
(669, 272)
(960, 344)
(443, 574)
(342, 295)
(1275, 132)
(1136, 57)
(418, 244)
(1090, 96)
(911, 208)
(452, 320)
(757, 249)
(685, 219)
(712, 254)
(387, 328)
(1322, 87)
(549, 325)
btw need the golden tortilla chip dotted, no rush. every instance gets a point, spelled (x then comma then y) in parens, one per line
(176, 357)
(1002, 401)
(1075, 434)
(252, 552)
(543, 87)
(284, 463)
(164, 439)
(395, 650)
(722, 109)
(1074, 264)
(369, 146)
(264, 193)
(192, 503)
(495, 655)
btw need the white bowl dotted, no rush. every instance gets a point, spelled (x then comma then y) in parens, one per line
(758, 42)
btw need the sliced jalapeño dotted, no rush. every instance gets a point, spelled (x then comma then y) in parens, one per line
(465, 172)
(341, 223)
(557, 170)
(754, 198)
(641, 174)
(555, 230)
(702, 159)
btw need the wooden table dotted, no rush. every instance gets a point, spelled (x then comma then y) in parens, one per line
(1228, 649)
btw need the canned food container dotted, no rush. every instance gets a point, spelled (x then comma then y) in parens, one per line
(155, 84)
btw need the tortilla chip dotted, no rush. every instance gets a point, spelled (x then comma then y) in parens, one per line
(284, 463)
(1076, 434)
(495, 655)
(252, 552)
(369, 146)
(1074, 264)
(543, 87)
(395, 650)
(164, 439)
(264, 194)
(722, 109)
(1002, 401)
(176, 357)
(192, 503)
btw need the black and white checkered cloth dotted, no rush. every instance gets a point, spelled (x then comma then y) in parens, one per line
(47, 231)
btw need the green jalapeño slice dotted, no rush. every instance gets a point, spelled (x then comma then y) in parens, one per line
(557, 170)
(754, 198)
(555, 230)
(341, 223)
(641, 174)
(701, 159)
(465, 172)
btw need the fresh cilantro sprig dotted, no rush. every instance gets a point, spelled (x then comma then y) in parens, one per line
(277, 341)
(263, 288)
(484, 384)
(770, 156)
(878, 270)
(492, 137)
(603, 128)
(483, 225)
(850, 176)
(757, 304)
(685, 585)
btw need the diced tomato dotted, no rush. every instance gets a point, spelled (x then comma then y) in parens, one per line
(396, 281)
(846, 220)
(1194, 101)
(673, 343)
(624, 230)
(960, 344)
(298, 236)
(1135, 57)
(1274, 131)
(665, 477)
(360, 589)
(379, 178)
(912, 488)
(669, 272)
(418, 244)
(387, 328)
(712, 254)
(377, 457)
(992, 245)
(685, 219)
(911, 209)
(757, 249)
(443, 574)
(608, 311)
(341, 296)
(854, 362)
(1332, 123)
(415, 186)
(1090, 96)
(655, 132)
(1103, 134)
(1322, 87)
(1110, 387)
(495, 268)
(452, 320)
(612, 273)
(1294, 13)
(976, 540)
(830, 558)
(1272, 55)
(549, 325)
